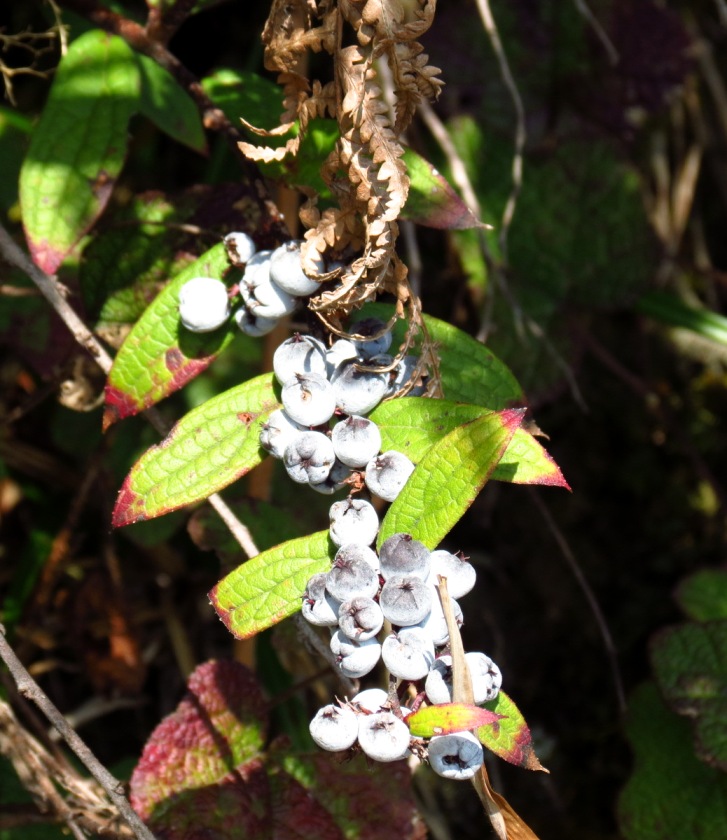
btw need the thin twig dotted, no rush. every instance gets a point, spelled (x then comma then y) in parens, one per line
(488, 21)
(456, 164)
(28, 687)
(239, 531)
(595, 607)
(600, 32)
(50, 287)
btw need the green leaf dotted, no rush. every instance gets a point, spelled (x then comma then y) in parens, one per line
(123, 267)
(703, 595)
(670, 794)
(470, 372)
(305, 168)
(448, 478)
(168, 105)
(247, 95)
(509, 737)
(432, 201)
(525, 461)
(78, 146)
(448, 717)
(670, 310)
(209, 448)
(269, 588)
(23, 582)
(413, 424)
(159, 355)
(690, 666)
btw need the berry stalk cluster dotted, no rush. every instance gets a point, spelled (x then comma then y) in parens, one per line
(378, 607)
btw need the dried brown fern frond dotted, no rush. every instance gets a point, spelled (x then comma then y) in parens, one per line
(288, 35)
(390, 28)
(306, 105)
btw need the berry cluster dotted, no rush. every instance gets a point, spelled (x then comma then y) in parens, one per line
(270, 287)
(325, 440)
(321, 385)
(354, 599)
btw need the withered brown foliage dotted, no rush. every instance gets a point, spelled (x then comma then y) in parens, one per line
(365, 171)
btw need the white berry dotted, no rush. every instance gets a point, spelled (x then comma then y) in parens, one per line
(383, 736)
(240, 247)
(287, 272)
(203, 304)
(458, 755)
(334, 728)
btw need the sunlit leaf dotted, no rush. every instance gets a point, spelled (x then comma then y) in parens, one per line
(269, 588)
(509, 737)
(669, 309)
(79, 145)
(470, 373)
(448, 478)
(209, 448)
(448, 717)
(525, 461)
(413, 424)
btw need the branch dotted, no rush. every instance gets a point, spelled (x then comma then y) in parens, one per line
(161, 23)
(590, 596)
(520, 135)
(30, 689)
(51, 288)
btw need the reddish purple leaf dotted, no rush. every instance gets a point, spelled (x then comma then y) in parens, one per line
(203, 776)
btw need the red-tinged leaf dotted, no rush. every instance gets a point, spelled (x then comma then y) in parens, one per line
(209, 448)
(432, 201)
(448, 478)
(368, 804)
(509, 737)
(448, 717)
(159, 355)
(219, 727)
(202, 770)
(525, 461)
(269, 588)
(203, 775)
(78, 147)
(412, 425)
